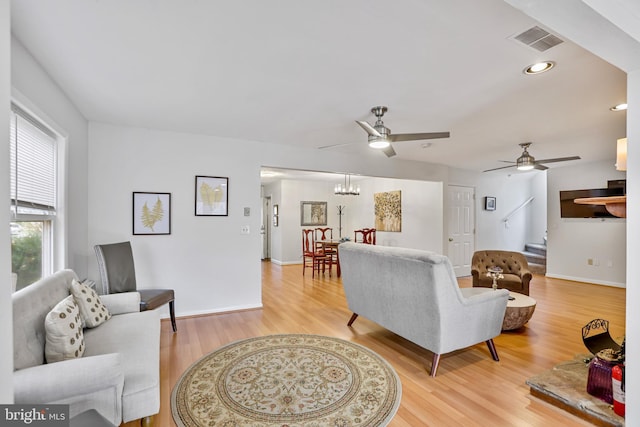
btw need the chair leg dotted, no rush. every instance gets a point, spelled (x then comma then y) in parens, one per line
(434, 364)
(353, 319)
(172, 312)
(147, 421)
(492, 349)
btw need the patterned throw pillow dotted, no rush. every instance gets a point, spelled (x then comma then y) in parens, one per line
(93, 311)
(64, 338)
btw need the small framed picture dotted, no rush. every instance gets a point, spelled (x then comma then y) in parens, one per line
(151, 213)
(490, 203)
(212, 196)
(313, 213)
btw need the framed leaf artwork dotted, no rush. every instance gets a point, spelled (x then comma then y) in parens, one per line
(151, 213)
(212, 196)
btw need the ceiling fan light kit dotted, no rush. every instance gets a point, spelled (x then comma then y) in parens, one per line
(380, 136)
(527, 162)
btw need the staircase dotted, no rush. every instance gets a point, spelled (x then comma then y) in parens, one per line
(536, 254)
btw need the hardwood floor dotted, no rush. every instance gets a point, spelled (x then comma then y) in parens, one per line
(470, 388)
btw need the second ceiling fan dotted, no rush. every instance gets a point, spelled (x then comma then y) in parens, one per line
(380, 136)
(527, 162)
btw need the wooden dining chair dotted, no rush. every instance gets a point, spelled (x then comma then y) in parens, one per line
(365, 235)
(330, 251)
(311, 256)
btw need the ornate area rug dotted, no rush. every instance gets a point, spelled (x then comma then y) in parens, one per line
(287, 380)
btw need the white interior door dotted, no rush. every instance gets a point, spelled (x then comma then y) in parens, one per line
(461, 244)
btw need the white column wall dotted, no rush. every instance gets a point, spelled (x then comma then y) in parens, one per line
(6, 312)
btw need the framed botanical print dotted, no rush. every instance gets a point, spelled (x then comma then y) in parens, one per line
(151, 213)
(212, 196)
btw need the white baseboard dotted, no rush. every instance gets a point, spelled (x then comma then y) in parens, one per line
(278, 262)
(586, 280)
(216, 311)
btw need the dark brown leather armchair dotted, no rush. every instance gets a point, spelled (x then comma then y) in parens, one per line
(515, 270)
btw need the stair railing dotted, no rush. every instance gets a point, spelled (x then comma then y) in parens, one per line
(513, 212)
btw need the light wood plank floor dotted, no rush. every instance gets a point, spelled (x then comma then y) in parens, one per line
(470, 389)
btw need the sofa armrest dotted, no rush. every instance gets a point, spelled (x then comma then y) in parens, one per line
(94, 382)
(125, 302)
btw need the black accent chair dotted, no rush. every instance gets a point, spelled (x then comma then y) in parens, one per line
(117, 272)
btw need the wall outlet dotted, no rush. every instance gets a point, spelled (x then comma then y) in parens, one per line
(244, 229)
(609, 263)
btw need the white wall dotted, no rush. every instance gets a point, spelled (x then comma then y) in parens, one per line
(633, 247)
(206, 260)
(421, 213)
(34, 89)
(510, 192)
(574, 240)
(6, 313)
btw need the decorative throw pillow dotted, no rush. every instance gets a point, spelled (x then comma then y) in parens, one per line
(93, 311)
(64, 338)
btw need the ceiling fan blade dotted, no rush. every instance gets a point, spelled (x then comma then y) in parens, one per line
(324, 147)
(389, 151)
(418, 136)
(506, 161)
(540, 167)
(502, 167)
(558, 159)
(369, 129)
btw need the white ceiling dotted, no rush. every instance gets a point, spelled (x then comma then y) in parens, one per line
(299, 72)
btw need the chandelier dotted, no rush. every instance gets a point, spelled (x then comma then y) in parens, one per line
(347, 189)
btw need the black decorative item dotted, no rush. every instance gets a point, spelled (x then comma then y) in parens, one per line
(596, 337)
(489, 203)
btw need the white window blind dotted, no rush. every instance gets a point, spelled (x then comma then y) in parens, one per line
(33, 165)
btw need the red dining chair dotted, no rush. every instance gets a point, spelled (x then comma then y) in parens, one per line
(367, 236)
(323, 234)
(311, 256)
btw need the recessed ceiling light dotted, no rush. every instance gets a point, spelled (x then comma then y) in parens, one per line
(619, 107)
(539, 67)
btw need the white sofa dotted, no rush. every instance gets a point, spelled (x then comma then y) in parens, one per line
(415, 294)
(119, 374)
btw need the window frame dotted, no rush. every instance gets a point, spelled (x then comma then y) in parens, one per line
(53, 230)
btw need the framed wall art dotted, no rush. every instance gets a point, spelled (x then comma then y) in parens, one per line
(388, 210)
(151, 213)
(490, 203)
(313, 213)
(212, 196)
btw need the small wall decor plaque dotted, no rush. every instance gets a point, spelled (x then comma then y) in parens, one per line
(489, 203)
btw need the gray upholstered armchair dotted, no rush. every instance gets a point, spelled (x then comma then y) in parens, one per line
(514, 265)
(415, 294)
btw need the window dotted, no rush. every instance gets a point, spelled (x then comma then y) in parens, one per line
(33, 170)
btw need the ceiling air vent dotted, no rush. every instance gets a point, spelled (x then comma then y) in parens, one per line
(538, 39)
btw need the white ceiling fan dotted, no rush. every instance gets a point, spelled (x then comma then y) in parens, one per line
(527, 162)
(380, 136)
